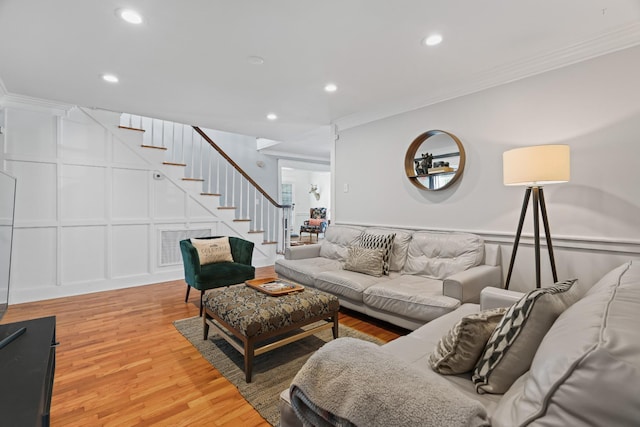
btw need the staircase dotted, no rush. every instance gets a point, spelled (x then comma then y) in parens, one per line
(216, 185)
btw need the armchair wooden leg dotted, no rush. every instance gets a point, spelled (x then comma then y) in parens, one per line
(201, 295)
(187, 297)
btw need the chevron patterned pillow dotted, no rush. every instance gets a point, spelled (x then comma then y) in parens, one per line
(510, 350)
(379, 241)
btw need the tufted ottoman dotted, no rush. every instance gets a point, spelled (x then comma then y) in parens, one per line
(252, 317)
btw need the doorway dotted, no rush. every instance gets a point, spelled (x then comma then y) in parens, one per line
(304, 186)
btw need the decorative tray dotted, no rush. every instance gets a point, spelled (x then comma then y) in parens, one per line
(274, 286)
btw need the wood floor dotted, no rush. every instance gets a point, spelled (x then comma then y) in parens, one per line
(121, 362)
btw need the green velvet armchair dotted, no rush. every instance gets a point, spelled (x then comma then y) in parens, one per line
(209, 276)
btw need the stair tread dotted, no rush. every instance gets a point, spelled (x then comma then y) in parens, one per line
(153, 146)
(210, 194)
(227, 207)
(174, 164)
(269, 242)
(242, 220)
(255, 231)
(130, 128)
(193, 179)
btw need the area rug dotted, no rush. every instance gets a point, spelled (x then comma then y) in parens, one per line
(272, 371)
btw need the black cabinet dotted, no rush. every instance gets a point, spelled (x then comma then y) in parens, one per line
(27, 366)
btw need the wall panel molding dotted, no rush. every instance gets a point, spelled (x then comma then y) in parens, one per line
(583, 243)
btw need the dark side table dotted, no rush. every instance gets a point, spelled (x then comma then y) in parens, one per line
(27, 366)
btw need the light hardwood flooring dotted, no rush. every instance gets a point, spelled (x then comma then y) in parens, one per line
(121, 362)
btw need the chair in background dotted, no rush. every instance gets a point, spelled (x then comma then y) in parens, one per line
(316, 224)
(219, 274)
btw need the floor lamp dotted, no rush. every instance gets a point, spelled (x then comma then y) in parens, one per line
(534, 167)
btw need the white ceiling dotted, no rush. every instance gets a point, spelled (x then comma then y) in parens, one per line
(188, 61)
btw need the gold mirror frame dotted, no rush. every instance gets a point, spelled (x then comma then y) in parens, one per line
(412, 152)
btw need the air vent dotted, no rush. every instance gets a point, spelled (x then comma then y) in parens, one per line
(170, 245)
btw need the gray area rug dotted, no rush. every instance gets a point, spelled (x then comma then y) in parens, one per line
(272, 371)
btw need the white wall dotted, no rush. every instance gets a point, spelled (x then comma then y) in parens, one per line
(592, 106)
(89, 214)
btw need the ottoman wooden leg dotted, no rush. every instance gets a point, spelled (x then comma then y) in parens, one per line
(248, 358)
(335, 326)
(205, 326)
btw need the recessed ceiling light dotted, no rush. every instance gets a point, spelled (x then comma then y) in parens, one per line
(131, 16)
(433, 40)
(255, 60)
(271, 116)
(110, 78)
(330, 87)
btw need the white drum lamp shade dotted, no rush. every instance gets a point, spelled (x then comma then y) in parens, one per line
(536, 166)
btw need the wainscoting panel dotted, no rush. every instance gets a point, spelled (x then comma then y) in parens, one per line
(169, 199)
(36, 190)
(34, 258)
(83, 254)
(130, 194)
(83, 193)
(129, 250)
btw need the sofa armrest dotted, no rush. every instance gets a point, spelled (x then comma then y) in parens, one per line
(496, 297)
(466, 285)
(301, 252)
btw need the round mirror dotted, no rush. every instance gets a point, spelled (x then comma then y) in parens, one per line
(434, 160)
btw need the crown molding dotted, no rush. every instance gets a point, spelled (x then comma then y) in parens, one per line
(619, 39)
(36, 104)
(296, 156)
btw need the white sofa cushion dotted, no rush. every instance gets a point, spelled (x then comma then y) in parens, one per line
(337, 239)
(439, 255)
(345, 283)
(412, 296)
(304, 270)
(587, 368)
(510, 350)
(400, 245)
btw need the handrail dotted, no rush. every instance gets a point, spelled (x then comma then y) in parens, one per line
(238, 168)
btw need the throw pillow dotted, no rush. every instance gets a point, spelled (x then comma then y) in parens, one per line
(213, 250)
(379, 241)
(316, 222)
(364, 260)
(459, 350)
(510, 350)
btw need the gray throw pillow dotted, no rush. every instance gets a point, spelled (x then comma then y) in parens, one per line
(379, 241)
(459, 350)
(514, 342)
(364, 260)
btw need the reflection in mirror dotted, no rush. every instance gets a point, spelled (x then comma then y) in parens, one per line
(435, 160)
(7, 204)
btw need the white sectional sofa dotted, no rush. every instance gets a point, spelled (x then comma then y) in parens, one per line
(430, 273)
(585, 371)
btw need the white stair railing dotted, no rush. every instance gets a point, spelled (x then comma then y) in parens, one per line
(190, 146)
